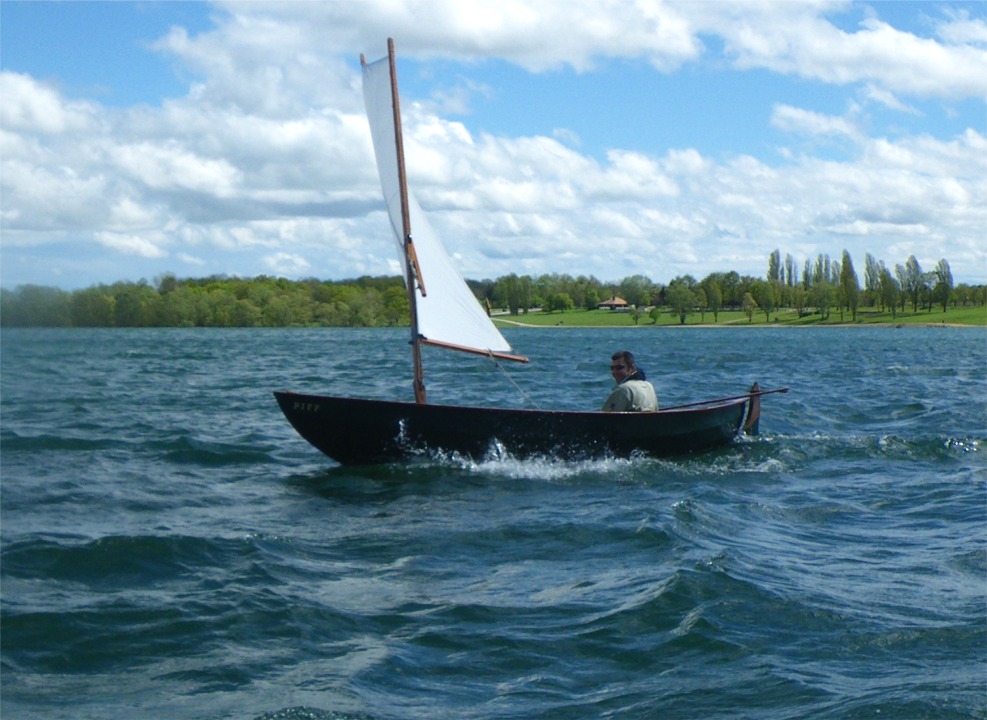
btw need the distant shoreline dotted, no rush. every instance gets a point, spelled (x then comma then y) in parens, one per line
(727, 326)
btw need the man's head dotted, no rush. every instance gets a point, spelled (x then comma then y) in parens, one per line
(622, 365)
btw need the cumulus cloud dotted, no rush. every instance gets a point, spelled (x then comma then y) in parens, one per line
(794, 119)
(169, 166)
(141, 246)
(959, 28)
(283, 263)
(34, 107)
(791, 38)
(191, 259)
(267, 161)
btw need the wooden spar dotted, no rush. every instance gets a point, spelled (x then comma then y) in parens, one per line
(402, 176)
(475, 351)
(412, 270)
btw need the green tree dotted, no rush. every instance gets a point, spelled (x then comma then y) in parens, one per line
(850, 285)
(700, 294)
(943, 283)
(559, 302)
(167, 283)
(333, 314)
(889, 290)
(821, 296)
(246, 314)
(872, 280)
(821, 269)
(636, 290)
(729, 283)
(774, 266)
(513, 292)
(176, 308)
(223, 304)
(93, 307)
(134, 304)
(800, 300)
(368, 307)
(901, 276)
(791, 270)
(276, 312)
(395, 306)
(591, 297)
(765, 294)
(35, 306)
(680, 299)
(913, 281)
(749, 306)
(714, 296)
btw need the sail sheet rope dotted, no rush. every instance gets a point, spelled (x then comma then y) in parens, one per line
(517, 387)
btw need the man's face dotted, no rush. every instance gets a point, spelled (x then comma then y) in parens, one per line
(619, 369)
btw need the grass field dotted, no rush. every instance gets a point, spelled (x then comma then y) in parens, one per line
(971, 315)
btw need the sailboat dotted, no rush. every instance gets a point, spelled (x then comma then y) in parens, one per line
(446, 314)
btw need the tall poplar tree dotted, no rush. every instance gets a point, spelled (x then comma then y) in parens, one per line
(774, 266)
(913, 281)
(889, 290)
(791, 270)
(850, 285)
(872, 279)
(944, 283)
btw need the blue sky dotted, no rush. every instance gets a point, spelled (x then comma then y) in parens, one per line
(598, 138)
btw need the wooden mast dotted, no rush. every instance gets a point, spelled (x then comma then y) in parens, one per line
(412, 269)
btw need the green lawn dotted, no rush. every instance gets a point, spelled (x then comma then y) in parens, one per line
(976, 316)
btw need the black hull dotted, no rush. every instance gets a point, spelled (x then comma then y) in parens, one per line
(357, 431)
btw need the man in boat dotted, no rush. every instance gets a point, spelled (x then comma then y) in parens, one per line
(633, 392)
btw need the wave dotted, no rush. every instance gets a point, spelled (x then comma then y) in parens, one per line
(186, 449)
(47, 442)
(178, 447)
(309, 713)
(111, 560)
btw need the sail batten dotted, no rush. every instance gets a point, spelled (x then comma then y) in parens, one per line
(449, 315)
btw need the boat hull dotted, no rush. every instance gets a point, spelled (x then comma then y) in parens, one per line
(361, 431)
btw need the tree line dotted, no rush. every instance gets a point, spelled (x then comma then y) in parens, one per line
(211, 302)
(820, 285)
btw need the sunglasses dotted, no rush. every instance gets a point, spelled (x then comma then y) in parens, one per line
(617, 367)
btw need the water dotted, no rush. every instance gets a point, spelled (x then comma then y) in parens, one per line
(171, 549)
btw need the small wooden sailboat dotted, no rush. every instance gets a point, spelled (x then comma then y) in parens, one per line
(445, 313)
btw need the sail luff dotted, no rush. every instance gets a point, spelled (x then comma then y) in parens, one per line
(398, 140)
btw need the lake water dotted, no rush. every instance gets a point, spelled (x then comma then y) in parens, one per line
(172, 549)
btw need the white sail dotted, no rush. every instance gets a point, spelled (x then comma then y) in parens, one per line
(448, 312)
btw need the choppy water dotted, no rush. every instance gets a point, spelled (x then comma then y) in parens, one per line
(171, 549)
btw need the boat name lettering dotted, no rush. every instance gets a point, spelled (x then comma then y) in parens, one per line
(307, 406)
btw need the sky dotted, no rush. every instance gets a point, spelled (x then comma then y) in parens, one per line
(590, 137)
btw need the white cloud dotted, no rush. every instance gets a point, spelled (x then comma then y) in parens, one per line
(191, 259)
(283, 263)
(888, 99)
(169, 166)
(141, 246)
(30, 105)
(268, 161)
(960, 29)
(792, 119)
(128, 214)
(791, 38)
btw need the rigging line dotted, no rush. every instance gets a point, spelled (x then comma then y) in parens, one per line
(508, 376)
